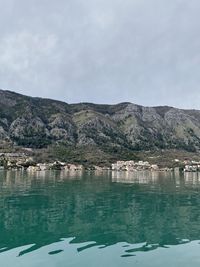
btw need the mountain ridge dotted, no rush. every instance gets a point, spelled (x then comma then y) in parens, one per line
(91, 103)
(36, 122)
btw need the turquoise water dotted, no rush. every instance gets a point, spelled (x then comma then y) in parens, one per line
(59, 219)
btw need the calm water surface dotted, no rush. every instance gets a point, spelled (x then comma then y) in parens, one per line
(60, 219)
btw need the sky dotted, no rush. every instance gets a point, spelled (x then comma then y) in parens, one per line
(102, 51)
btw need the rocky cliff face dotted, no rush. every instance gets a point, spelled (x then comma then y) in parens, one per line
(37, 122)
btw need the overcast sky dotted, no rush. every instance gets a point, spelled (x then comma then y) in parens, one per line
(103, 51)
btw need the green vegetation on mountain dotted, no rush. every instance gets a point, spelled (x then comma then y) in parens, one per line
(89, 132)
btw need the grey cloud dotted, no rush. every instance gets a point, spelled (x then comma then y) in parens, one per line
(103, 51)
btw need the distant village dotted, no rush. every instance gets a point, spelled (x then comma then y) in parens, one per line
(134, 166)
(11, 161)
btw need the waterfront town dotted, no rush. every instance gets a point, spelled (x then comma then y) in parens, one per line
(10, 161)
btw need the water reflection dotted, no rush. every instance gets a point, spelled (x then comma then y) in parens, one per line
(147, 208)
(141, 177)
(192, 178)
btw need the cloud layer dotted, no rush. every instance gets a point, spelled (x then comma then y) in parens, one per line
(103, 51)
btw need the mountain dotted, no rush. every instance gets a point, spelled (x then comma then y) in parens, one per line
(108, 129)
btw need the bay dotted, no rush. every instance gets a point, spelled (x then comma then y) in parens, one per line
(94, 219)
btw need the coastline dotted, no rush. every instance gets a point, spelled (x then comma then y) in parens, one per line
(16, 161)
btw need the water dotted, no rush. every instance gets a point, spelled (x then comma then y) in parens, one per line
(59, 219)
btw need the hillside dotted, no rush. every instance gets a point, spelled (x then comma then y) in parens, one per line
(104, 131)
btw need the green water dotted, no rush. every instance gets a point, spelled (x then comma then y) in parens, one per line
(59, 219)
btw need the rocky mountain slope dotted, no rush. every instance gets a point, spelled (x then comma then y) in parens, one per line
(37, 123)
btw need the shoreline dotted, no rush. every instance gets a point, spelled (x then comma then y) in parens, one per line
(17, 161)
